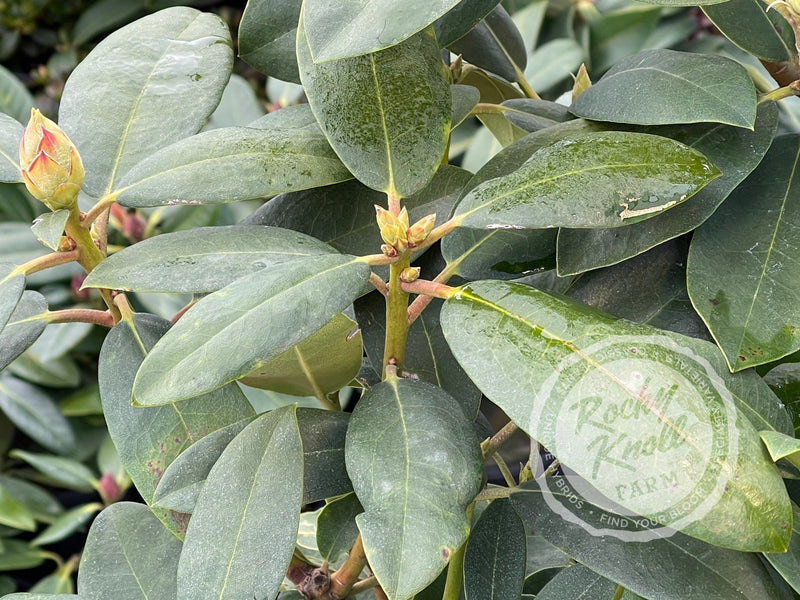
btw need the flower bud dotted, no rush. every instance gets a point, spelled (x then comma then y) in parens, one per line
(51, 167)
(388, 250)
(384, 217)
(409, 274)
(403, 218)
(420, 230)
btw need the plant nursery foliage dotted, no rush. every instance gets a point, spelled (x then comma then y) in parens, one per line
(453, 325)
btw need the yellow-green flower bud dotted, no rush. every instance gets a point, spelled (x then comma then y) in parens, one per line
(51, 167)
(420, 230)
(409, 274)
(384, 217)
(403, 218)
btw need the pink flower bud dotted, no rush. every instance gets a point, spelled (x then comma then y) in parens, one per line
(51, 167)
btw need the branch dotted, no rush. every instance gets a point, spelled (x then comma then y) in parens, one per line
(429, 288)
(491, 445)
(345, 577)
(81, 315)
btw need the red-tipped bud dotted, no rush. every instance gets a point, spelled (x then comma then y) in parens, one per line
(420, 230)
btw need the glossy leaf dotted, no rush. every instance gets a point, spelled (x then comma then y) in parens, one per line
(249, 507)
(175, 62)
(267, 35)
(494, 560)
(460, 19)
(364, 105)
(202, 259)
(12, 284)
(338, 30)
(550, 363)
(16, 101)
(757, 31)
(35, 413)
(48, 228)
(10, 135)
(24, 325)
(171, 428)
(336, 526)
(323, 363)
(678, 567)
(402, 432)
(323, 434)
(197, 170)
(671, 87)
(533, 115)
(643, 175)
(179, 486)
(129, 555)
(67, 523)
(349, 209)
(739, 278)
(494, 44)
(733, 150)
(252, 311)
(577, 582)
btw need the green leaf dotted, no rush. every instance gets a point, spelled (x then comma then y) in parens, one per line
(323, 434)
(415, 465)
(494, 561)
(349, 209)
(553, 62)
(175, 62)
(67, 523)
(18, 246)
(494, 90)
(12, 284)
(10, 135)
(464, 99)
(748, 24)
(618, 34)
(64, 472)
(733, 150)
(36, 414)
(179, 486)
(24, 325)
(387, 114)
(239, 105)
(323, 363)
(129, 555)
(788, 563)
(58, 372)
(533, 115)
(642, 175)
(197, 355)
(203, 259)
(249, 507)
(49, 227)
(555, 366)
(338, 30)
(577, 582)
(16, 101)
(336, 526)
(17, 555)
(39, 502)
(494, 44)
(660, 87)
(739, 278)
(58, 340)
(779, 445)
(171, 428)
(13, 514)
(460, 19)
(267, 35)
(29, 596)
(104, 15)
(197, 170)
(678, 567)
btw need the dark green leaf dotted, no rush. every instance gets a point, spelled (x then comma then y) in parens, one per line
(577, 582)
(39, 502)
(35, 412)
(267, 35)
(678, 567)
(733, 150)
(494, 561)
(64, 472)
(323, 434)
(415, 465)
(660, 87)
(338, 30)
(533, 115)
(175, 62)
(642, 175)
(58, 340)
(551, 364)
(739, 278)
(203, 259)
(58, 372)
(199, 169)
(13, 514)
(464, 98)
(494, 90)
(242, 533)
(336, 526)
(183, 479)
(171, 428)
(24, 325)
(788, 563)
(104, 15)
(10, 135)
(460, 19)
(16, 101)
(494, 44)
(129, 555)
(197, 355)
(748, 24)
(387, 115)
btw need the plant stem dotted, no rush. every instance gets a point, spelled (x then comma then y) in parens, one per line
(455, 572)
(429, 288)
(396, 317)
(345, 577)
(779, 94)
(364, 585)
(493, 494)
(504, 470)
(524, 85)
(438, 233)
(487, 108)
(47, 261)
(81, 315)
(379, 283)
(618, 593)
(176, 317)
(99, 208)
(380, 594)
(420, 302)
(491, 445)
(393, 200)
